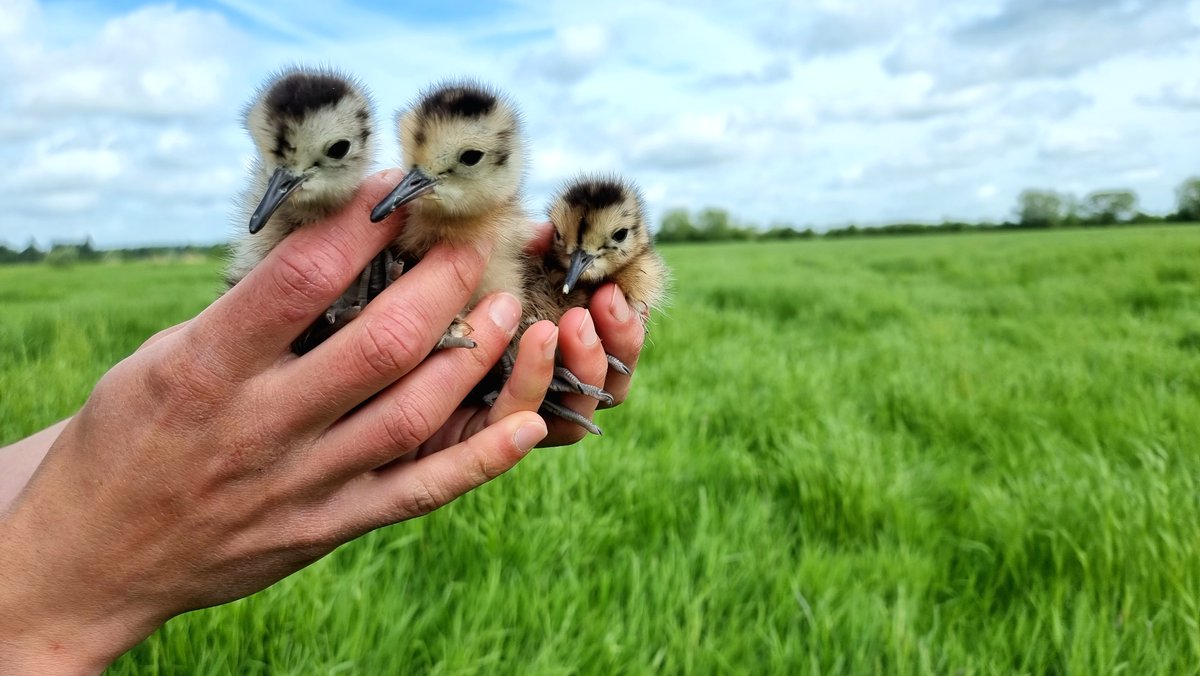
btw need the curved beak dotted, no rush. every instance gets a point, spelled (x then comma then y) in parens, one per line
(415, 184)
(282, 184)
(580, 261)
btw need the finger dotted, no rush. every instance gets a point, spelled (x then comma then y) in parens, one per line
(543, 234)
(581, 353)
(531, 374)
(256, 321)
(410, 411)
(523, 391)
(170, 330)
(405, 491)
(392, 335)
(622, 334)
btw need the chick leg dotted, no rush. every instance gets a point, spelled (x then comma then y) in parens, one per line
(565, 381)
(547, 407)
(558, 410)
(339, 314)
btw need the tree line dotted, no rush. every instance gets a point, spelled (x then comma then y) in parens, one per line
(69, 253)
(1035, 209)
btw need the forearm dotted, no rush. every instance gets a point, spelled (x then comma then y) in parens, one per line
(18, 461)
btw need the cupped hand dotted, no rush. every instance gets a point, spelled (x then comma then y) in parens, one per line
(213, 462)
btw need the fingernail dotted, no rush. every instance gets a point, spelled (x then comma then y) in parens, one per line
(550, 347)
(587, 331)
(528, 435)
(392, 175)
(618, 307)
(505, 311)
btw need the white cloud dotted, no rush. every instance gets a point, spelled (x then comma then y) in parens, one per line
(1181, 95)
(1026, 39)
(126, 125)
(1072, 142)
(575, 52)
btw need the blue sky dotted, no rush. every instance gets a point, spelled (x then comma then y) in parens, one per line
(121, 120)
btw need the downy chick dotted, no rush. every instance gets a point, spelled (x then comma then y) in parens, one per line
(312, 130)
(464, 151)
(600, 236)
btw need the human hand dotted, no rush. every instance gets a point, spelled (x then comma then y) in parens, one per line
(213, 462)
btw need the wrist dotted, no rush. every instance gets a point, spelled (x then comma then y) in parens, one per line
(46, 627)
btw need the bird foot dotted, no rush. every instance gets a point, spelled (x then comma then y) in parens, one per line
(340, 315)
(618, 365)
(565, 381)
(560, 411)
(548, 407)
(448, 341)
(456, 336)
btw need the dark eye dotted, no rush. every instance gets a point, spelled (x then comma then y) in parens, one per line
(620, 235)
(338, 150)
(471, 157)
(557, 236)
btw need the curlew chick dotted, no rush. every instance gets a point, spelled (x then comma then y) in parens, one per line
(464, 151)
(312, 131)
(600, 235)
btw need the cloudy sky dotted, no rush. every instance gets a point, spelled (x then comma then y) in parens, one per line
(121, 119)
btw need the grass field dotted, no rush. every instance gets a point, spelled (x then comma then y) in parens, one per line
(964, 455)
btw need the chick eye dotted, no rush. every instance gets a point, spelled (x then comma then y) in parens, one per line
(338, 150)
(557, 236)
(471, 157)
(620, 235)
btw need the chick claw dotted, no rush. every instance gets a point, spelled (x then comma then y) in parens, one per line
(554, 409)
(618, 365)
(565, 413)
(549, 407)
(456, 336)
(565, 381)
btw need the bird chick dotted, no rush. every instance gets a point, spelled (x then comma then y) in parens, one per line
(463, 147)
(600, 235)
(312, 130)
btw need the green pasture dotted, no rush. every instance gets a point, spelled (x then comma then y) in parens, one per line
(968, 454)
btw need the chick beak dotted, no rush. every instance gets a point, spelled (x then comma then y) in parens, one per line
(415, 184)
(580, 261)
(282, 184)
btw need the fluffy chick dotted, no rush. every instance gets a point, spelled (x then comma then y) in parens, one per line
(312, 132)
(600, 236)
(464, 151)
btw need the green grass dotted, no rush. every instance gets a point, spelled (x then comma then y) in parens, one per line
(970, 454)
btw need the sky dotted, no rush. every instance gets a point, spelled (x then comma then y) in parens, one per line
(121, 120)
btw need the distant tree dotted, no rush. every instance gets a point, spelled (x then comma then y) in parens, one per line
(1187, 200)
(716, 225)
(1106, 207)
(88, 252)
(1042, 209)
(785, 231)
(677, 227)
(63, 255)
(31, 254)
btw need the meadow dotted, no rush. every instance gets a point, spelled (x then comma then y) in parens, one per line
(972, 454)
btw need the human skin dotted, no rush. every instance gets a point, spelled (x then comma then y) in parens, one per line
(212, 462)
